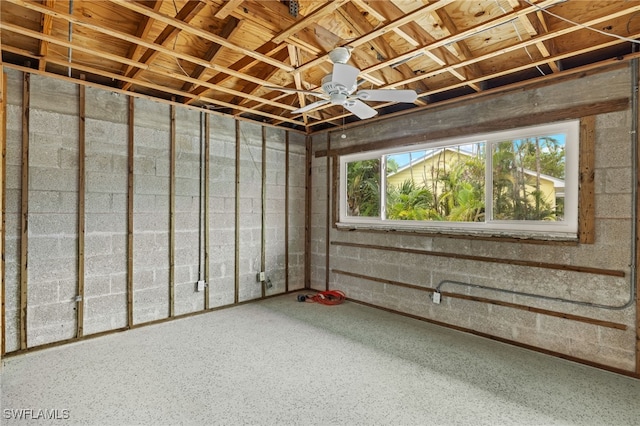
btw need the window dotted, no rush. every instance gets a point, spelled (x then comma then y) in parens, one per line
(521, 181)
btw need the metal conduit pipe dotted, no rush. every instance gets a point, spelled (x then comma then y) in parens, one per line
(634, 198)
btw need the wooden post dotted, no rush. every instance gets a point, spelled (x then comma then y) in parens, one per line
(307, 214)
(263, 262)
(286, 211)
(130, 188)
(636, 141)
(327, 235)
(207, 166)
(81, 209)
(236, 266)
(586, 191)
(24, 210)
(172, 212)
(3, 185)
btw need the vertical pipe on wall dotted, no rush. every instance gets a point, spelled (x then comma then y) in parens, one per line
(24, 210)
(172, 212)
(130, 182)
(263, 201)
(3, 198)
(236, 261)
(81, 209)
(327, 235)
(307, 215)
(206, 209)
(286, 211)
(201, 198)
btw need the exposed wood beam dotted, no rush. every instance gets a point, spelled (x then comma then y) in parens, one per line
(364, 5)
(230, 26)
(141, 32)
(139, 65)
(384, 29)
(238, 66)
(517, 69)
(200, 33)
(142, 83)
(186, 14)
(47, 25)
(246, 94)
(297, 78)
(464, 50)
(312, 17)
(502, 19)
(227, 8)
(543, 37)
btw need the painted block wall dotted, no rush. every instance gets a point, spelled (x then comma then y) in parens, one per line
(55, 202)
(612, 248)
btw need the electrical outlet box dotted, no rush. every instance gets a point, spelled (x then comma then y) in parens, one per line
(436, 297)
(200, 285)
(260, 276)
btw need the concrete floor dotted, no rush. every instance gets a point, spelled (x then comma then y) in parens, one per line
(279, 361)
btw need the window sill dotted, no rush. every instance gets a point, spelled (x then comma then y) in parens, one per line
(472, 234)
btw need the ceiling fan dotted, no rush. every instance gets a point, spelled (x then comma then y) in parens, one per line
(339, 87)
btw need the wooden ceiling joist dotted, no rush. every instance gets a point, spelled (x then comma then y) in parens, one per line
(200, 33)
(213, 53)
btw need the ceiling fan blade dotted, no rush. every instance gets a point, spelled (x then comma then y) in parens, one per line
(310, 107)
(360, 109)
(289, 90)
(388, 95)
(345, 75)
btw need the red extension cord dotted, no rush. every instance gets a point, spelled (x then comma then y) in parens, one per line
(330, 297)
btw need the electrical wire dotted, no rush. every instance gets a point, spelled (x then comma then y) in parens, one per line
(515, 27)
(586, 27)
(329, 297)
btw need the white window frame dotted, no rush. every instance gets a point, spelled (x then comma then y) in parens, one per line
(563, 229)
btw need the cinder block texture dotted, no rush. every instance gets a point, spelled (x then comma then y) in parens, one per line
(250, 210)
(55, 204)
(151, 211)
(52, 224)
(587, 291)
(222, 160)
(189, 200)
(105, 211)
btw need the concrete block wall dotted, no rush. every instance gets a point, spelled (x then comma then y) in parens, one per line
(250, 210)
(105, 249)
(53, 205)
(611, 347)
(12, 210)
(222, 178)
(297, 201)
(189, 240)
(151, 182)
(275, 267)
(55, 202)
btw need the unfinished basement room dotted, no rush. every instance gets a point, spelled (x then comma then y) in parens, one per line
(314, 212)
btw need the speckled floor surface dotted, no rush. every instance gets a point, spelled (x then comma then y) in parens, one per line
(281, 362)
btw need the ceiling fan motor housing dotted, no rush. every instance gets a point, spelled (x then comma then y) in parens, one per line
(330, 87)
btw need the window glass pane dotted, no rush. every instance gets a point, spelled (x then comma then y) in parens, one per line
(363, 188)
(528, 178)
(440, 184)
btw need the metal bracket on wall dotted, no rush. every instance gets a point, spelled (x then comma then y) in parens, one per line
(294, 8)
